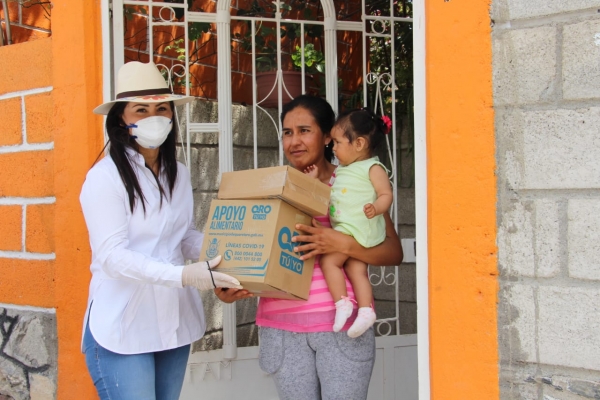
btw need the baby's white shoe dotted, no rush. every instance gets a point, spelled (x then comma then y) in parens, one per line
(343, 311)
(365, 319)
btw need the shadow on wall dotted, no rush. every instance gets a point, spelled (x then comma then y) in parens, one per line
(24, 20)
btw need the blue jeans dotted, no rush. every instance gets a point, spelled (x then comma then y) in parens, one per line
(146, 376)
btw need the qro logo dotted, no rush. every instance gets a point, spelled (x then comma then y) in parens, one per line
(260, 211)
(286, 260)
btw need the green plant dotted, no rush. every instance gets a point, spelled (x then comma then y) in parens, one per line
(266, 50)
(265, 36)
(176, 47)
(313, 59)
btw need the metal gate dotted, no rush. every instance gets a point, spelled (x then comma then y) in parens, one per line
(311, 30)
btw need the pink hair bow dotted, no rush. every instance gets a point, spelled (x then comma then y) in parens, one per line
(388, 123)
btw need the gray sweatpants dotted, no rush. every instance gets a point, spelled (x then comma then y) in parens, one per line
(319, 365)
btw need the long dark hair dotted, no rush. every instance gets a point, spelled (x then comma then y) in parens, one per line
(321, 111)
(119, 140)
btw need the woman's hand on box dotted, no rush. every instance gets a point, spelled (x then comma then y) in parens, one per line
(231, 295)
(320, 240)
(201, 276)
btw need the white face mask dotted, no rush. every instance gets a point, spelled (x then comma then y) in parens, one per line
(151, 132)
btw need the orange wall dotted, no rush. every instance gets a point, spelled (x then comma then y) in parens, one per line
(26, 178)
(462, 200)
(49, 140)
(77, 80)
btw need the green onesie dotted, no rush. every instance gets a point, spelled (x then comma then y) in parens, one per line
(351, 190)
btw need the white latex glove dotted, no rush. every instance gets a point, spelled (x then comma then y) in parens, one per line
(199, 276)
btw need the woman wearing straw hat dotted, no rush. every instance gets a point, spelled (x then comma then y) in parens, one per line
(144, 309)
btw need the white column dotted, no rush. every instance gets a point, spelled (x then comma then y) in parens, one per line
(421, 199)
(225, 146)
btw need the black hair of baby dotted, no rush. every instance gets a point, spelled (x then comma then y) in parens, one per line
(365, 123)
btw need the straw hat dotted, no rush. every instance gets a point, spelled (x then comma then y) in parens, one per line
(142, 83)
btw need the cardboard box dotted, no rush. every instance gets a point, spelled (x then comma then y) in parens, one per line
(294, 187)
(254, 238)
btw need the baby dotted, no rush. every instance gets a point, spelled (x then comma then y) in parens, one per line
(360, 194)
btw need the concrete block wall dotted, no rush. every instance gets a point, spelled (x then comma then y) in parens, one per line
(204, 167)
(546, 76)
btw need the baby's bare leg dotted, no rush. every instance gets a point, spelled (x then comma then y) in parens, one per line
(357, 272)
(331, 265)
(358, 275)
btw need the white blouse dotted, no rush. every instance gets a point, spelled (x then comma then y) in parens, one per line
(136, 302)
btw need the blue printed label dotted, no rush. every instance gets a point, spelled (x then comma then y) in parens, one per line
(228, 218)
(255, 271)
(289, 261)
(260, 211)
(213, 248)
(292, 263)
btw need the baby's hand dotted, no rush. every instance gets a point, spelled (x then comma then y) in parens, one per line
(369, 210)
(312, 171)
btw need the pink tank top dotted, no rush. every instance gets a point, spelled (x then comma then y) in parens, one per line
(313, 315)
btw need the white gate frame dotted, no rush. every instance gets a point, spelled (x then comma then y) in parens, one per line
(222, 19)
(421, 200)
